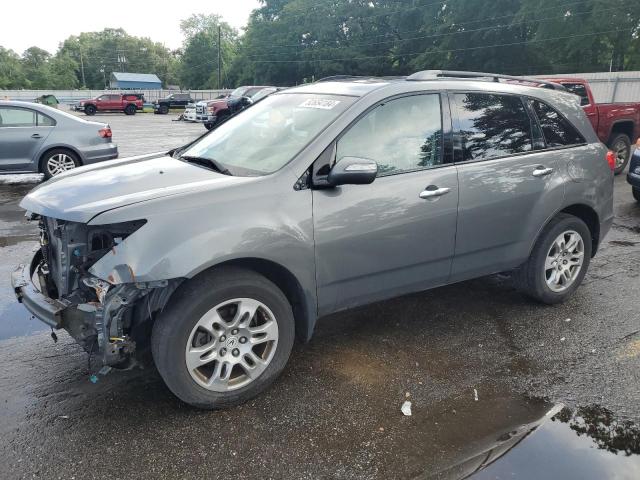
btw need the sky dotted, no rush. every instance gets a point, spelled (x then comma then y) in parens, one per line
(46, 23)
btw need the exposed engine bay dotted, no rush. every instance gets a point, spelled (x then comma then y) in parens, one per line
(108, 319)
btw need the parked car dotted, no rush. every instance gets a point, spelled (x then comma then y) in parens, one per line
(39, 138)
(175, 100)
(316, 199)
(633, 177)
(617, 124)
(216, 111)
(129, 103)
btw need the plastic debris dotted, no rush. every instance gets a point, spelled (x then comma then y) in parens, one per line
(568, 320)
(593, 350)
(407, 394)
(406, 409)
(104, 370)
(93, 379)
(475, 394)
(63, 416)
(562, 339)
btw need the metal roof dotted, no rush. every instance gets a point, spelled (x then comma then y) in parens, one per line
(136, 77)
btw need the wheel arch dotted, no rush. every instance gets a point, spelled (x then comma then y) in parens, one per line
(50, 148)
(302, 305)
(622, 126)
(585, 213)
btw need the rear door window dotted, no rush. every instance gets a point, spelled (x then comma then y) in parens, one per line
(492, 126)
(557, 130)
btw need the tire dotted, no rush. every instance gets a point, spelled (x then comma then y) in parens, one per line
(621, 146)
(57, 161)
(636, 194)
(208, 126)
(130, 110)
(164, 109)
(177, 328)
(221, 118)
(90, 110)
(532, 277)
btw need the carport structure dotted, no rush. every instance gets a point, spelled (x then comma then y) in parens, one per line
(134, 81)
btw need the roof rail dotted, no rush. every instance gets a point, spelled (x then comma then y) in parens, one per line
(339, 77)
(496, 77)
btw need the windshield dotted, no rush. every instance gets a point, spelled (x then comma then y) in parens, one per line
(262, 93)
(238, 92)
(265, 137)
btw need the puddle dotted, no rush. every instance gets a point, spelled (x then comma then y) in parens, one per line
(16, 321)
(588, 443)
(15, 239)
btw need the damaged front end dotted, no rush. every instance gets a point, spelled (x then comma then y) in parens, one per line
(109, 318)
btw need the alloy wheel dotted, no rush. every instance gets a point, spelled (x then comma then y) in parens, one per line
(564, 261)
(232, 344)
(60, 162)
(622, 151)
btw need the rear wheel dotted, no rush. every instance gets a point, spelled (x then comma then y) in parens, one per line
(164, 109)
(58, 161)
(621, 146)
(130, 110)
(558, 262)
(90, 110)
(636, 194)
(224, 337)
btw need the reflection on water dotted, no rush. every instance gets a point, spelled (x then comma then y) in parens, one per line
(16, 321)
(588, 443)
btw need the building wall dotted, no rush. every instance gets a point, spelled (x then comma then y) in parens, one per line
(135, 85)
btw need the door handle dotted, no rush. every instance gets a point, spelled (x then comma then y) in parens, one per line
(437, 192)
(36, 135)
(542, 171)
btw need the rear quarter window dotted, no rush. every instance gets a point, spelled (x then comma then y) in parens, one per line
(557, 130)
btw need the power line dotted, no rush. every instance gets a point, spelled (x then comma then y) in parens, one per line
(369, 57)
(438, 35)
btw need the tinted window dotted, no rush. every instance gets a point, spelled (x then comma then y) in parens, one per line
(17, 117)
(580, 90)
(557, 130)
(401, 135)
(492, 125)
(44, 121)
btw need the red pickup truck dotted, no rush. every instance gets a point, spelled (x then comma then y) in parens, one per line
(129, 103)
(617, 124)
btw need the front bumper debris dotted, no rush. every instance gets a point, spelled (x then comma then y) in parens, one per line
(42, 307)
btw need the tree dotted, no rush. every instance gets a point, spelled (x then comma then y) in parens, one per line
(199, 61)
(11, 73)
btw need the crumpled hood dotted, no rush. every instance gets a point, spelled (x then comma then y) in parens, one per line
(82, 193)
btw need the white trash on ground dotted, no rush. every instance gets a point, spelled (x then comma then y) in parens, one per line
(406, 409)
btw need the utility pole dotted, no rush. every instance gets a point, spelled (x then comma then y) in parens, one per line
(219, 57)
(84, 83)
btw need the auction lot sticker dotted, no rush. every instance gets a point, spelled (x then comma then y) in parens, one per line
(321, 103)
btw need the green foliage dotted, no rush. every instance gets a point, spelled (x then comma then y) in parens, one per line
(287, 42)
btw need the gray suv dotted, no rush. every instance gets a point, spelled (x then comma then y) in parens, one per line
(317, 199)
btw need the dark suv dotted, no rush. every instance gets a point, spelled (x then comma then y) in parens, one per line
(175, 100)
(316, 199)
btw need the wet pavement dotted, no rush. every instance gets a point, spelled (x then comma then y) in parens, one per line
(557, 388)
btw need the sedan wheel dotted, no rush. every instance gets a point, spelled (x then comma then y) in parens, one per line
(564, 261)
(232, 344)
(59, 162)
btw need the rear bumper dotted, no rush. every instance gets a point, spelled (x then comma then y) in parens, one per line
(99, 153)
(42, 307)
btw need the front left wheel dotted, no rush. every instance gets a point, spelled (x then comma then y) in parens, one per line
(225, 336)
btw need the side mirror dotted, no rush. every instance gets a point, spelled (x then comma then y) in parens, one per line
(353, 171)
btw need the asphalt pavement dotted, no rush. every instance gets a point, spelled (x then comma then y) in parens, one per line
(500, 387)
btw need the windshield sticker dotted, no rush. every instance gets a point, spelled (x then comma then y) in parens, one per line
(319, 103)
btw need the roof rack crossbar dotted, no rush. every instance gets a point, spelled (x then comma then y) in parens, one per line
(496, 77)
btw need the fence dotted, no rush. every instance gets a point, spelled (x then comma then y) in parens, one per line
(610, 87)
(72, 96)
